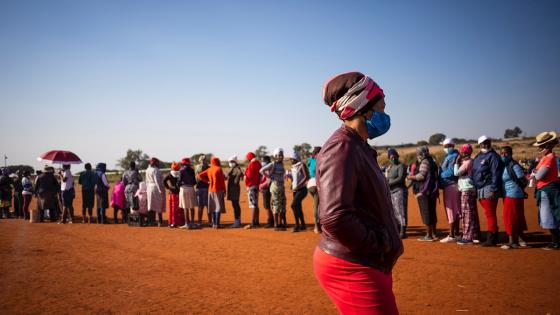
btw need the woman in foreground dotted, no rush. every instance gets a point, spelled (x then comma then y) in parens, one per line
(360, 242)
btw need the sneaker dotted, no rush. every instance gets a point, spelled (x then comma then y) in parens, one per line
(316, 231)
(476, 241)
(465, 242)
(510, 246)
(184, 226)
(448, 239)
(296, 229)
(248, 226)
(302, 228)
(426, 238)
(523, 243)
(552, 246)
(269, 225)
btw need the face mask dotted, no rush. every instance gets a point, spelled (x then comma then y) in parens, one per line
(394, 161)
(231, 164)
(484, 150)
(447, 150)
(378, 124)
(506, 159)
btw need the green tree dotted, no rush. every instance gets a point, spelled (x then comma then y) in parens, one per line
(261, 151)
(513, 133)
(140, 158)
(303, 149)
(436, 138)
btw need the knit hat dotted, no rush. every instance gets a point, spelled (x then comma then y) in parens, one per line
(356, 98)
(296, 156)
(250, 156)
(466, 149)
(186, 161)
(233, 158)
(277, 151)
(175, 166)
(392, 152)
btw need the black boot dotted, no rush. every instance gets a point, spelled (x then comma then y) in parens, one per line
(496, 238)
(490, 242)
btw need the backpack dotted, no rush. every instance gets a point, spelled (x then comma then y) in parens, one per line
(521, 182)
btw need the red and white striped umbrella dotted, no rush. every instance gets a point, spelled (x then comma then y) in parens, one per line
(60, 157)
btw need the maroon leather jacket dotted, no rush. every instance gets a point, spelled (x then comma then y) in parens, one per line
(355, 211)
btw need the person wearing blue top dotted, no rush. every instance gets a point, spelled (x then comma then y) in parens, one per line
(513, 182)
(487, 179)
(312, 187)
(87, 180)
(451, 194)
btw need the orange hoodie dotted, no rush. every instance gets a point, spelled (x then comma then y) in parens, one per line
(214, 176)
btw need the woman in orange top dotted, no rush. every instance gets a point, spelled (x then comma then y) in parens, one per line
(215, 178)
(548, 187)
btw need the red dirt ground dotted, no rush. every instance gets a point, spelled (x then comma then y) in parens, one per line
(49, 268)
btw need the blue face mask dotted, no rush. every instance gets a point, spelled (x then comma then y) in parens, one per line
(378, 125)
(506, 159)
(447, 150)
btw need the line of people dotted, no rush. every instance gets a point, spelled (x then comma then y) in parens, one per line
(142, 202)
(486, 178)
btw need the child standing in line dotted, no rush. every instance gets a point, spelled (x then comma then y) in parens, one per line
(142, 195)
(117, 202)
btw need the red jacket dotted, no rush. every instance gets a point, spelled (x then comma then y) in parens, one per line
(252, 173)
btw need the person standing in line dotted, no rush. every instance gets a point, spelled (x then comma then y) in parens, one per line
(276, 172)
(513, 185)
(451, 194)
(131, 179)
(102, 193)
(252, 181)
(312, 188)
(6, 185)
(487, 177)
(18, 197)
(214, 177)
(425, 186)
(156, 197)
(142, 196)
(360, 242)
(234, 177)
(299, 175)
(187, 194)
(469, 212)
(172, 183)
(117, 202)
(47, 188)
(68, 194)
(548, 187)
(88, 180)
(396, 177)
(27, 193)
(202, 190)
(264, 187)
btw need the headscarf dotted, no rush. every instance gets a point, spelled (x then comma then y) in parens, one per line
(175, 166)
(392, 152)
(250, 156)
(186, 161)
(154, 162)
(356, 98)
(422, 151)
(277, 152)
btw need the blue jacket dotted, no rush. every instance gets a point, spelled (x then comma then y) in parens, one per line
(446, 175)
(487, 171)
(311, 165)
(510, 187)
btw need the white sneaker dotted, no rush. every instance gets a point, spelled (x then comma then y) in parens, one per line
(184, 226)
(448, 239)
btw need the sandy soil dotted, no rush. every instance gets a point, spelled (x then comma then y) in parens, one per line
(49, 268)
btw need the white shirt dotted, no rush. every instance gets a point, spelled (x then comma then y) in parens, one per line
(69, 182)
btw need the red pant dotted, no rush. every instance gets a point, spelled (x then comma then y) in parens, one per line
(173, 207)
(489, 206)
(353, 288)
(514, 215)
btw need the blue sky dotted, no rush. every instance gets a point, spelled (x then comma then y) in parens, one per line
(174, 78)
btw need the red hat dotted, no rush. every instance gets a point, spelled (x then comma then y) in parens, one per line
(186, 161)
(250, 156)
(174, 166)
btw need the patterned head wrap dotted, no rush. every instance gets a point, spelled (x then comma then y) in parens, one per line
(466, 149)
(356, 98)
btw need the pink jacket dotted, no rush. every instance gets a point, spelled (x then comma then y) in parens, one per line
(117, 199)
